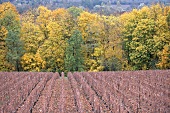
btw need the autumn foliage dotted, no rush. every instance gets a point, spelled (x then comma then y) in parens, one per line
(42, 40)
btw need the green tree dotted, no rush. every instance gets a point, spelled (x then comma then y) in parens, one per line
(73, 54)
(14, 44)
(75, 11)
(10, 20)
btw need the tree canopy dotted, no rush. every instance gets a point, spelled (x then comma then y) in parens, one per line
(76, 40)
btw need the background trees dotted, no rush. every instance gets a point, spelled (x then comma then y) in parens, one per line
(76, 40)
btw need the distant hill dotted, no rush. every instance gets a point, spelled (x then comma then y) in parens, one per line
(23, 5)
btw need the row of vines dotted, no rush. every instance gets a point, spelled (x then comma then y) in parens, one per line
(85, 92)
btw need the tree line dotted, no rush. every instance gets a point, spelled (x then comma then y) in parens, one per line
(76, 40)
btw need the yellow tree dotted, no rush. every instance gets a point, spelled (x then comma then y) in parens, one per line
(43, 20)
(32, 62)
(101, 35)
(46, 32)
(162, 37)
(110, 42)
(164, 58)
(5, 7)
(52, 50)
(89, 25)
(4, 65)
(59, 30)
(33, 38)
(65, 20)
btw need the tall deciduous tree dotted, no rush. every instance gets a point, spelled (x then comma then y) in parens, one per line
(74, 60)
(10, 20)
(110, 43)
(59, 29)
(162, 39)
(146, 38)
(13, 42)
(90, 27)
(33, 38)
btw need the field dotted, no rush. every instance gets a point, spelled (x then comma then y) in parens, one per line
(85, 92)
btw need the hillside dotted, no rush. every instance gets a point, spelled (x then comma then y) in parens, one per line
(23, 5)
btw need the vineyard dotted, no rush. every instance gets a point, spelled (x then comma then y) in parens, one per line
(85, 92)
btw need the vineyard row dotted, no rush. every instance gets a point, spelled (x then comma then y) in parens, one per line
(85, 92)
